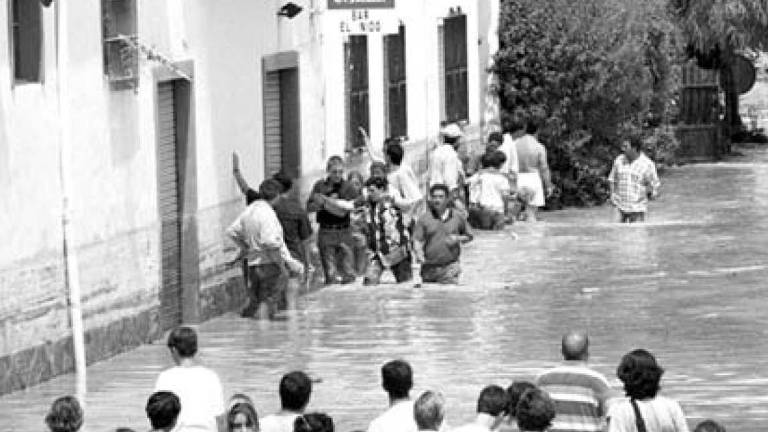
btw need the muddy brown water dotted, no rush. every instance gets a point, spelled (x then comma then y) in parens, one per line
(689, 285)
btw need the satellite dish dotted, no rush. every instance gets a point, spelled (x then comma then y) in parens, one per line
(744, 74)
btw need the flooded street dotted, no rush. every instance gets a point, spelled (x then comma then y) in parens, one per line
(689, 285)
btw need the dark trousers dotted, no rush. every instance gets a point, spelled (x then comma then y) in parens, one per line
(403, 271)
(267, 285)
(335, 246)
(442, 274)
(631, 217)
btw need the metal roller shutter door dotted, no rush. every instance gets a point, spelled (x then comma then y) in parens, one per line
(168, 203)
(273, 140)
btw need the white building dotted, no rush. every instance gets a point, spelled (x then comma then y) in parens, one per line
(151, 186)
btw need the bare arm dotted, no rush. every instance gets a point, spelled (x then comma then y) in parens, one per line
(544, 171)
(368, 146)
(241, 183)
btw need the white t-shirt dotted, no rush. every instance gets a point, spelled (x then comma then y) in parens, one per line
(488, 189)
(660, 415)
(200, 393)
(398, 418)
(281, 422)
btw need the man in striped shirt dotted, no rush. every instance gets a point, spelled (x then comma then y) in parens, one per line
(580, 393)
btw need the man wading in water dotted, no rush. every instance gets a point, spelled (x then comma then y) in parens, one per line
(633, 181)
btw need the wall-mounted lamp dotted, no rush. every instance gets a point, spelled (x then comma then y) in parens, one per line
(454, 12)
(46, 3)
(290, 10)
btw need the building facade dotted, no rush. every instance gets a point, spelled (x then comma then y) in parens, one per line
(151, 99)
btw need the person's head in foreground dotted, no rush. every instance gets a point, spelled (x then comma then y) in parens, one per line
(270, 190)
(429, 411)
(241, 416)
(709, 426)
(313, 422)
(295, 389)
(493, 402)
(397, 379)
(632, 146)
(65, 415)
(535, 411)
(394, 153)
(514, 392)
(575, 346)
(163, 410)
(640, 374)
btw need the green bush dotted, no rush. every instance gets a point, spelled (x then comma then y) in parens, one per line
(582, 71)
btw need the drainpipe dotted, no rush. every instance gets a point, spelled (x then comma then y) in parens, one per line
(71, 272)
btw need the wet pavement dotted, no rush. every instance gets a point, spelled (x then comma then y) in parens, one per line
(687, 285)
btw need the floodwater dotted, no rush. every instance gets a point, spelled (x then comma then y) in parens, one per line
(688, 285)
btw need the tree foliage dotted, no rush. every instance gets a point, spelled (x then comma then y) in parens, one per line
(715, 30)
(586, 72)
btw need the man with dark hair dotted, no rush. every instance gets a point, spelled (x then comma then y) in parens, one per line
(388, 238)
(437, 238)
(492, 144)
(397, 381)
(313, 422)
(532, 172)
(429, 411)
(163, 410)
(332, 199)
(197, 387)
(297, 230)
(580, 393)
(295, 390)
(492, 407)
(259, 234)
(633, 181)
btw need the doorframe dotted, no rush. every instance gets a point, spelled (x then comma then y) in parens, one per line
(186, 163)
(275, 63)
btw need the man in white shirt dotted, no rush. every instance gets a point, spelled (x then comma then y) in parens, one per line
(429, 411)
(259, 234)
(403, 185)
(492, 406)
(197, 387)
(295, 390)
(397, 380)
(445, 166)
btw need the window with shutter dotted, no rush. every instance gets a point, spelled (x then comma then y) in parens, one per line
(395, 84)
(455, 64)
(356, 63)
(121, 59)
(26, 40)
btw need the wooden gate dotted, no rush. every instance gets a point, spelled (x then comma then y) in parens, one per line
(699, 128)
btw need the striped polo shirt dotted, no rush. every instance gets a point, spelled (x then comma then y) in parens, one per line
(579, 394)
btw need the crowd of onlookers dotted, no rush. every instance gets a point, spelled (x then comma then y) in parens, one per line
(570, 397)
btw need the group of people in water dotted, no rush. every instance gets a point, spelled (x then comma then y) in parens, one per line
(571, 397)
(366, 226)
